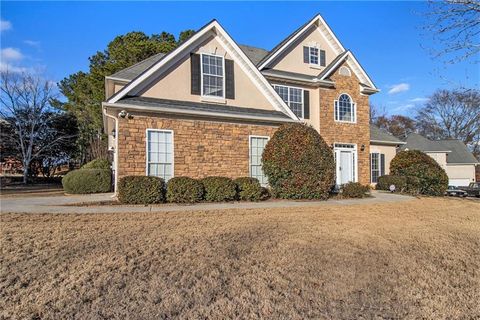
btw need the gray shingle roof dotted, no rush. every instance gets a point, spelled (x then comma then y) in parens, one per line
(456, 150)
(459, 154)
(377, 135)
(253, 53)
(281, 73)
(417, 142)
(133, 71)
(130, 73)
(186, 106)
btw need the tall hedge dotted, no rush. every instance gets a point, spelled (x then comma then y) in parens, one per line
(141, 190)
(298, 163)
(429, 178)
(86, 181)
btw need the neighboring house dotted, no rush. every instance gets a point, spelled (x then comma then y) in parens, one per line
(451, 154)
(383, 148)
(210, 106)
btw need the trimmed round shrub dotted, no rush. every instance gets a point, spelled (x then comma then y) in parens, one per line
(184, 190)
(97, 164)
(86, 181)
(219, 189)
(384, 183)
(432, 179)
(249, 189)
(298, 163)
(355, 190)
(141, 190)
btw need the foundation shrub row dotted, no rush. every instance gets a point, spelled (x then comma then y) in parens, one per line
(151, 190)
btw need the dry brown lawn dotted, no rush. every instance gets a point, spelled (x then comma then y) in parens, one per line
(416, 259)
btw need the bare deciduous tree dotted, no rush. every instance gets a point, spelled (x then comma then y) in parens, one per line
(25, 108)
(455, 24)
(452, 114)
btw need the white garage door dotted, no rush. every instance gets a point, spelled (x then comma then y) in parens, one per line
(458, 182)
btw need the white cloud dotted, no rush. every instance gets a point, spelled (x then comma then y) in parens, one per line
(11, 68)
(397, 88)
(5, 25)
(32, 43)
(11, 54)
(419, 99)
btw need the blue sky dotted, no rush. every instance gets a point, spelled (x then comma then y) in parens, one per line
(386, 37)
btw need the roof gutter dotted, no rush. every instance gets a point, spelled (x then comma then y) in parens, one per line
(387, 142)
(314, 82)
(198, 113)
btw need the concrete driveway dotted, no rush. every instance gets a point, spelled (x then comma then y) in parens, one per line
(90, 204)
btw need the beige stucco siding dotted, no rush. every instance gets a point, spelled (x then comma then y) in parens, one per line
(458, 171)
(175, 84)
(292, 59)
(440, 157)
(389, 152)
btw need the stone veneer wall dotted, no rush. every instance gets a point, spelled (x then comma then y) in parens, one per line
(336, 132)
(201, 148)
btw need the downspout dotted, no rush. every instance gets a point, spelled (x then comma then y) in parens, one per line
(115, 154)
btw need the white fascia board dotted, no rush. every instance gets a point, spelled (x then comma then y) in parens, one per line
(196, 113)
(387, 142)
(117, 79)
(172, 55)
(362, 72)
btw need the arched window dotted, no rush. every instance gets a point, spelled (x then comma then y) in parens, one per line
(345, 109)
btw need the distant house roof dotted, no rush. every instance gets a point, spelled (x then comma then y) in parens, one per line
(459, 154)
(414, 141)
(456, 150)
(200, 109)
(381, 136)
(130, 73)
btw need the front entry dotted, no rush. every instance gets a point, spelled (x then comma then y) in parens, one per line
(346, 163)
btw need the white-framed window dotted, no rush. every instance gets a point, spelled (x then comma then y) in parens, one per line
(377, 166)
(257, 145)
(160, 153)
(313, 56)
(293, 97)
(213, 75)
(345, 109)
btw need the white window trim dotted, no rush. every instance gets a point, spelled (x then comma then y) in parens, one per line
(336, 116)
(318, 56)
(355, 164)
(288, 102)
(250, 152)
(146, 149)
(222, 98)
(378, 166)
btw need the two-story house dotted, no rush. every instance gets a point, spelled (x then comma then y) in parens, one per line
(210, 106)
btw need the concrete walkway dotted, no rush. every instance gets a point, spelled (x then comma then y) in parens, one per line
(66, 204)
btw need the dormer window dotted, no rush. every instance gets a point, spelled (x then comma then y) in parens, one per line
(213, 77)
(313, 55)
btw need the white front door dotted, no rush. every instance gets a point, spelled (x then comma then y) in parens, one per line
(345, 156)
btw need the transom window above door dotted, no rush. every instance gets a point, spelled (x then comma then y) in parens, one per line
(345, 109)
(213, 76)
(293, 97)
